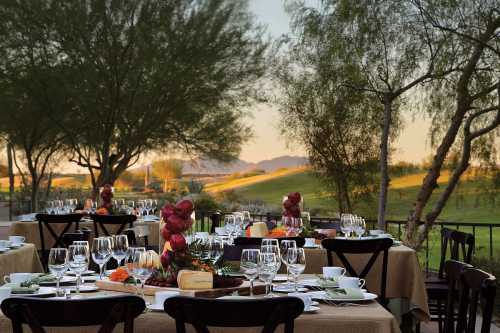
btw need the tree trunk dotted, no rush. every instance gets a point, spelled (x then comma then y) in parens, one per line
(49, 186)
(165, 185)
(11, 178)
(34, 196)
(384, 160)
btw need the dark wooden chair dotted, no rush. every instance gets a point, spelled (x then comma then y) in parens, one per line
(48, 222)
(70, 237)
(455, 245)
(453, 270)
(38, 313)
(478, 290)
(341, 247)
(243, 241)
(215, 218)
(101, 222)
(321, 224)
(205, 312)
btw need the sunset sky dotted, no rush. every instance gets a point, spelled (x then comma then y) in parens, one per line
(412, 145)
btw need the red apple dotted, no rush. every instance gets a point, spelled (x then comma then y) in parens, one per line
(165, 233)
(184, 208)
(177, 242)
(167, 210)
(175, 224)
(294, 197)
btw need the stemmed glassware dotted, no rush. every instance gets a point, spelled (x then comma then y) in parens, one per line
(296, 259)
(359, 226)
(284, 246)
(267, 270)
(78, 259)
(229, 225)
(346, 224)
(58, 265)
(249, 264)
(101, 252)
(269, 241)
(143, 264)
(293, 225)
(276, 251)
(216, 249)
(119, 248)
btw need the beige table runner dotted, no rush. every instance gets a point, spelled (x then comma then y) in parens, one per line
(22, 260)
(372, 318)
(31, 232)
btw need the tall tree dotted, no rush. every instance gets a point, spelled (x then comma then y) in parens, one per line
(468, 101)
(144, 75)
(389, 42)
(337, 126)
(166, 170)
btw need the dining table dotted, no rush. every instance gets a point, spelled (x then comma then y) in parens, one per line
(369, 317)
(30, 230)
(24, 259)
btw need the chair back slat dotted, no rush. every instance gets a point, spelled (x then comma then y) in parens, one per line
(459, 245)
(478, 289)
(46, 223)
(374, 246)
(205, 312)
(106, 312)
(453, 270)
(102, 221)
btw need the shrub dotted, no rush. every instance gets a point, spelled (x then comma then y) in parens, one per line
(205, 202)
(195, 186)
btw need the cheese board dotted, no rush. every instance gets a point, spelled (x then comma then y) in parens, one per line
(243, 289)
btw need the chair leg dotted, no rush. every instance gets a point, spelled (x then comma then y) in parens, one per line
(440, 316)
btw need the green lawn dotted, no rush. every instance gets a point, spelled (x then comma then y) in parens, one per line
(470, 204)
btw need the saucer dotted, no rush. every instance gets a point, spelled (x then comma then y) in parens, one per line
(311, 309)
(288, 289)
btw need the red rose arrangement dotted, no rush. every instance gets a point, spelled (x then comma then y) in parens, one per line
(291, 206)
(106, 196)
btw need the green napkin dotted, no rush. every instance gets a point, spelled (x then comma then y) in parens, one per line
(327, 282)
(15, 288)
(39, 278)
(345, 293)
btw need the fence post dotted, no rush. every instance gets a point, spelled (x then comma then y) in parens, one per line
(491, 241)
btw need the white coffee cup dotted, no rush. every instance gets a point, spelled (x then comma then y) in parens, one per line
(310, 242)
(5, 243)
(161, 296)
(351, 282)
(330, 272)
(17, 278)
(4, 293)
(304, 297)
(16, 240)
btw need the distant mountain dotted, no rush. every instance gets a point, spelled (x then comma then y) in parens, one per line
(282, 162)
(211, 167)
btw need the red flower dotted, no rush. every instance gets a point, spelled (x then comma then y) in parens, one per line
(175, 224)
(294, 197)
(178, 242)
(167, 211)
(184, 208)
(166, 259)
(165, 233)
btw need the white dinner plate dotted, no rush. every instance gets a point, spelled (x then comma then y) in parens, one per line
(84, 288)
(43, 291)
(288, 289)
(280, 278)
(155, 307)
(4, 249)
(311, 309)
(87, 272)
(16, 246)
(321, 295)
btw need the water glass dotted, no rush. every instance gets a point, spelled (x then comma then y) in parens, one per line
(78, 259)
(143, 265)
(296, 259)
(119, 247)
(215, 249)
(58, 265)
(269, 241)
(101, 252)
(346, 224)
(267, 270)
(249, 265)
(284, 246)
(272, 249)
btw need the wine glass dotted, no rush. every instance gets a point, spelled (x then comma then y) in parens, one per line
(58, 265)
(269, 241)
(86, 244)
(216, 249)
(359, 226)
(284, 246)
(249, 264)
(276, 251)
(296, 259)
(130, 207)
(229, 225)
(346, 224)
(78, 259)
(129, 262)
(101, 252)
(267, 270)
(143, 264)
(119, 248)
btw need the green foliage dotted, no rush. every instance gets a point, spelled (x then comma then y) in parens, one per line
(492, 266)
(205, 202)
(122, 78)
(195, 186)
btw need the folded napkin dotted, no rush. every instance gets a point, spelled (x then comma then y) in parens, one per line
(15, 288)
(345, 293)
(328, 283)
(39, 278)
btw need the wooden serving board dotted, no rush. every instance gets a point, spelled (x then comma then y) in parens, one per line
(243, 289)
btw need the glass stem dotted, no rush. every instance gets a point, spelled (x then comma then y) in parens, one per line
(295, 278)
(78, 284)
(287, 275)
(58, 289)
(251, 287)
(101, 271)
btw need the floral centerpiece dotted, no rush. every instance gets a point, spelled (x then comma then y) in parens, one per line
(291, 216)
(106, 195)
